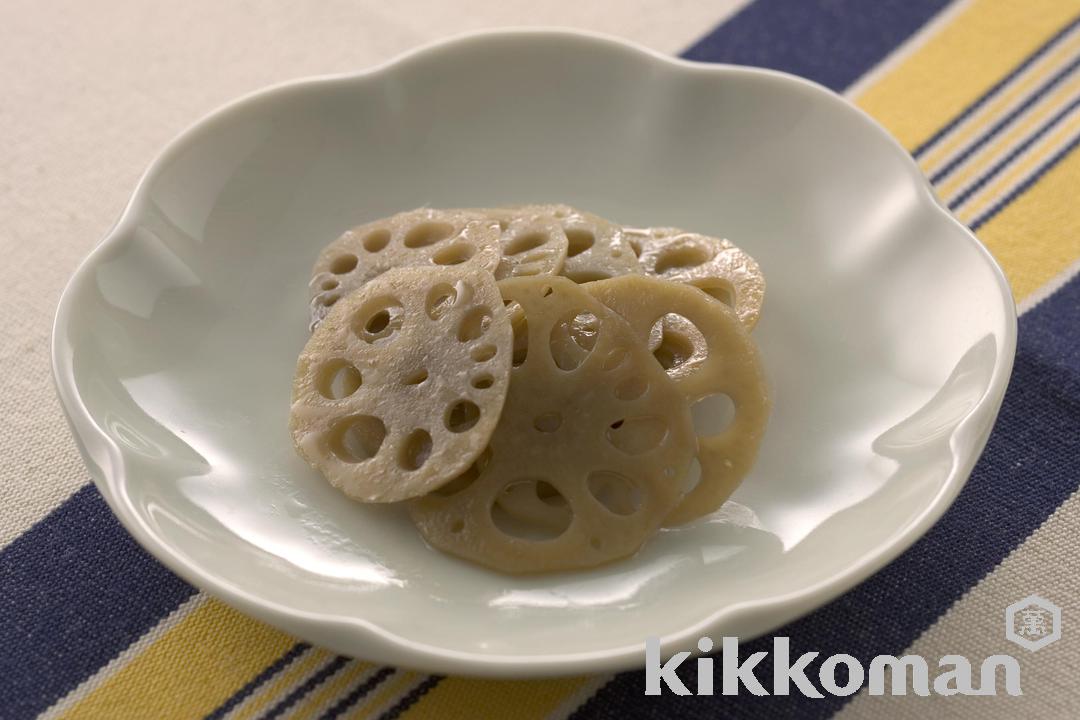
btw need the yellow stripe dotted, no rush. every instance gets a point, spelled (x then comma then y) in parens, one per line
(1038, 154)
(960, 62)
(459, 698)
(996, 107)
(1038, 236)
(343, 679)
(191, 670)
(279, 685)
(375, 704)
(994, 150)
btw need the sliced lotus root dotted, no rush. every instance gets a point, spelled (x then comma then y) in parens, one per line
(589, 451)
(596, 248)
(401, 386)
(532, 241)
(711, 264)
(421, 237)
(728, 373)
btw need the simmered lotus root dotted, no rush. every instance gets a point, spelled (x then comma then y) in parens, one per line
(417, 238)
(713, 265)
(585, 462)
(596, 248)
(401, 386)
(532, 242)
(731, 367)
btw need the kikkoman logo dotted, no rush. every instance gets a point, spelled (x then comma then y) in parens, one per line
(1033, 623)
(908, 672)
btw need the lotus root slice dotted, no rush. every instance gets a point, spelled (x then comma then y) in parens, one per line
(400, 387)
(589, 453)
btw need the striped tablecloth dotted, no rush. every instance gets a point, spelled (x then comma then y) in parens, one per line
(985, 94)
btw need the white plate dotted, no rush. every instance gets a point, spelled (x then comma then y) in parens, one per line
(888, 336)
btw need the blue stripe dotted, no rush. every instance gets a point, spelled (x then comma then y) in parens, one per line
(1027, 470)
(308, 685)
(418, 692)
(75, 591)
(969, 110)
(357, 693)
(1026, 185)
(1004, 122)
(834, 42)
(256, 682)
(990, 174)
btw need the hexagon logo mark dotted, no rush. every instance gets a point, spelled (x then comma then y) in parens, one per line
(1033, 622)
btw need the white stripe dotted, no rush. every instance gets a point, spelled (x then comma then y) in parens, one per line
(980, 203)
(1049, 288)
(103, 675)
(982, 119)
(392, 700)
(578, 698)
(907, 48)
(1001, 152)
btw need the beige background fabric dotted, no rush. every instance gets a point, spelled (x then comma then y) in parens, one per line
(91, 91)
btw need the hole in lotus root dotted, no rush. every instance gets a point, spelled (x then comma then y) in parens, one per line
(631, 388)
(525, 243)
(676, 341)
(637, 435)
(454, 254)
(548, 422)
(483, 381)
(329, 284)
(579, 240)
(376, 240)
(718, 288)
(329, 299)
(483, 353)
(549, 522)
(343, 264)
(519, 324)
(415, 450)
(416, 377)
(378, 319)
(462, 415)
(475, 323)
(357, 438)
(636, 245)
(466, 478)
(615, 492)
(712, 414)
(573, 338)
(692, 476)
(681, 256)
(440, 299)
(427, 233)
(338, 379)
